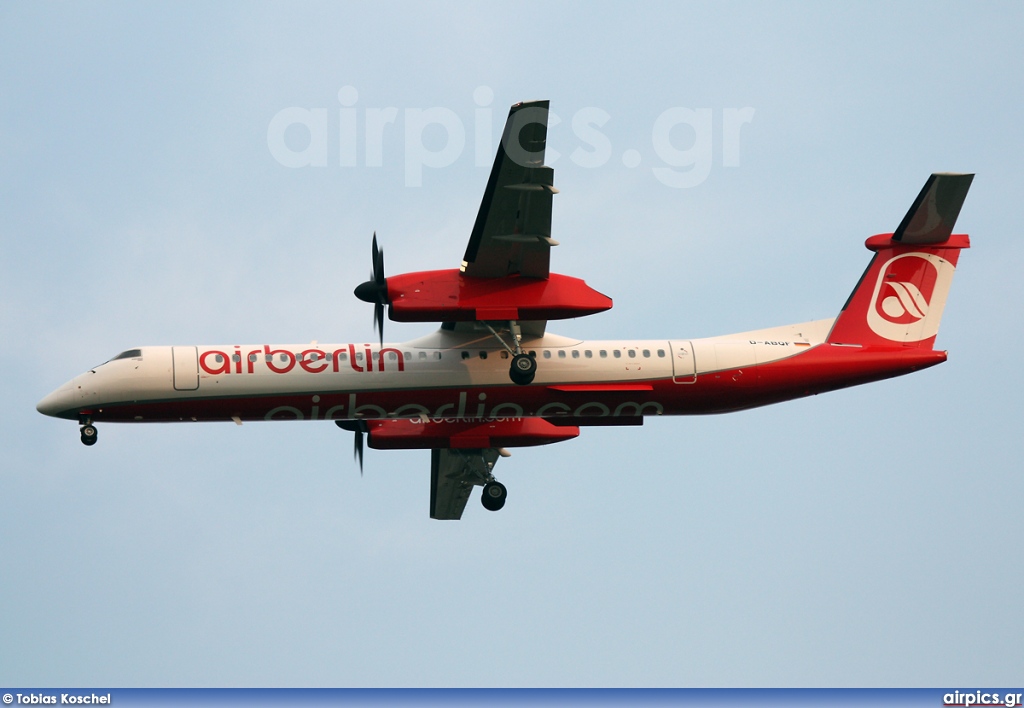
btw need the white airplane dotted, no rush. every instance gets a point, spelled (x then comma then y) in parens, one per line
(492, 377)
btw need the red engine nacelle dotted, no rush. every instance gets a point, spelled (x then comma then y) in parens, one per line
(401, 434)
(452, 296)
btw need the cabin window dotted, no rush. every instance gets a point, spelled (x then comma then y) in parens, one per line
(392, 356)
(533, 354)
(359, 356)
(408, 356)
(561, 353)
(483, 355)
(588, 354)
(661, 353)
(616, 353)
(575, 353)
(269, 358)
(423, 355)
(437, 355)
(647, 353)
(547, 353)
(632, 353)
(465, 355)
(253, 358)
(604, 354)
(504, 354)
(342, 356)
(283, 358)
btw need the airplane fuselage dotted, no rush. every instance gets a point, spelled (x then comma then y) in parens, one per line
(464, 377)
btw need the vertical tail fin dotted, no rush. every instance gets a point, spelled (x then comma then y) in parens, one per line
(900, 298)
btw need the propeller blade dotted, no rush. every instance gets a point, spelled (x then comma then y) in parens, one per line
(359, 450)
(378, 320)
(358, 427)
(375, 290)
(378, 262)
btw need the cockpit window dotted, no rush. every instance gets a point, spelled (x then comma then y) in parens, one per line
(130, 354)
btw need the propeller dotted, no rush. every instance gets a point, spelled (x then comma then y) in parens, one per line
(375, 290)
(358, 427)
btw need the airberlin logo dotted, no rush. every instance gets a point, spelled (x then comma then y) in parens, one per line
(909, 295)
(906, 306)
(314, 361)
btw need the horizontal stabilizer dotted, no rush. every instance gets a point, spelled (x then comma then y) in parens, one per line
(932, 216)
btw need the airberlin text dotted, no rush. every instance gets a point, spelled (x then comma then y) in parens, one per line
(66, 699)
(461, 410)
(313, 360)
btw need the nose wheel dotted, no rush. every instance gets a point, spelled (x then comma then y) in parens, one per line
(494, 496)
(89, 434)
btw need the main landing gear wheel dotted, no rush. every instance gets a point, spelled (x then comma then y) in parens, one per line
(494, 496)
(89, 434)
(524, 368)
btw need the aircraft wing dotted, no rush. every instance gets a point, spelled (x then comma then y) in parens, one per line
(512, 233)
(505, 274)
(453, 474)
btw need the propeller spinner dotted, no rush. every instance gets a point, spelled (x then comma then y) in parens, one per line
(375, 290)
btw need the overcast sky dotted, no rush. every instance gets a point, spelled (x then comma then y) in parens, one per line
(865, 537)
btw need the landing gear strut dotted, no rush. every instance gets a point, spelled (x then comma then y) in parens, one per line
(493, 497)
(89, 434)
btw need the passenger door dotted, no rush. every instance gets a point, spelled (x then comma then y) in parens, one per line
(186, 368)
(684, 367)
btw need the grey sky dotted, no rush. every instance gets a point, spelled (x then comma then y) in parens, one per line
(865, 537)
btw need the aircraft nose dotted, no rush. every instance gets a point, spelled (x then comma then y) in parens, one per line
(58, 401)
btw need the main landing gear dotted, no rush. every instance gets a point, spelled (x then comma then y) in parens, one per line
(493, 497)
(89, 434)
(478, 466)
(524, 367)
